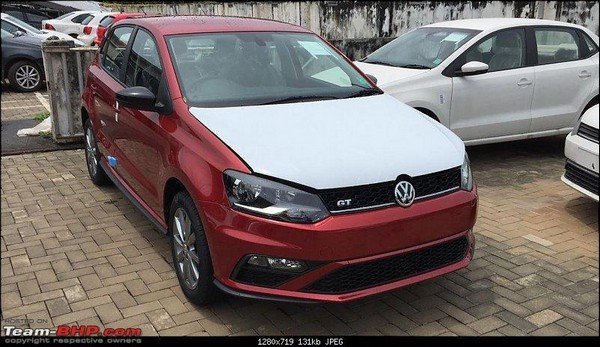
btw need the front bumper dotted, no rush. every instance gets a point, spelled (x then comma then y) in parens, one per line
(339, 242)
(582, 160)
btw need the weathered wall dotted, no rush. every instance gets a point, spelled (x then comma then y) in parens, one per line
(360, 27)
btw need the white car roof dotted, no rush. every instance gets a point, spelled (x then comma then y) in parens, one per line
(491, 24)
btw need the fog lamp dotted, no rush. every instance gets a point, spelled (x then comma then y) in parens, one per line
(277, 263)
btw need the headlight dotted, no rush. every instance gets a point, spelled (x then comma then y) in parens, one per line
(271, 199)
(466, 178)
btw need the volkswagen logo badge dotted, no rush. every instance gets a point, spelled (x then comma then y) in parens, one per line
(404, 193)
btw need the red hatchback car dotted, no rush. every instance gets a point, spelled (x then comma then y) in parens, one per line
(278, 170)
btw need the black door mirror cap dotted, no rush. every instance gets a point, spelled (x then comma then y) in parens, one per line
(138, 98)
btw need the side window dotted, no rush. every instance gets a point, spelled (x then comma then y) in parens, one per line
(106, 21)
(502, 51)
(591, 45)
(87, 20)
(114, 50)
(79, 18)
(11, 28)
(556, 45)
(143, 66)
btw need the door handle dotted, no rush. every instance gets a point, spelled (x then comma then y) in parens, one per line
(524, 82)
(584, 74)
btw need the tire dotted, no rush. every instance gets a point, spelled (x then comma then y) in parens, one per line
(25, 76)
(191, 257)
(92, 156)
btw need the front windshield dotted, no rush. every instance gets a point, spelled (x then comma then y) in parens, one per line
(423, 48)
(254, 68)
(24, 25)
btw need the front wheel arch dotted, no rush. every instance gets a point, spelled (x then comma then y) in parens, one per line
(428, 113)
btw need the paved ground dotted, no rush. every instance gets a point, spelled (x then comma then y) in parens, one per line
(18, 112)
(74, 253)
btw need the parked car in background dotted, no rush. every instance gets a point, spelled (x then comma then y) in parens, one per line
(493, 79)
(69, 23)
(111, 20)
(581, 150)
(90, 27)
(27, 14)
(277, 168)
(12, 25)
(22, 62)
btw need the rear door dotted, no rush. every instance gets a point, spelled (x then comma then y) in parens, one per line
(105, 80)
(496, 103)
(565, 74)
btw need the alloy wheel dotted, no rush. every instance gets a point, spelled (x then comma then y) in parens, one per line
(186, 256)
(90, 151)
(27, 76)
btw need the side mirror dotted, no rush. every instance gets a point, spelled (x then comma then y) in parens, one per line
(372, 78)
(138, 98)
(473, 68)
(19, 33)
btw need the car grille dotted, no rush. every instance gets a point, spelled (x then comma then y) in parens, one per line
(382, 194)
(588, 132)
(370, 274)
(582, 177)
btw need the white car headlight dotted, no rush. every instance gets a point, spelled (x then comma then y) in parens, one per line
(273, 200)
(466, 179)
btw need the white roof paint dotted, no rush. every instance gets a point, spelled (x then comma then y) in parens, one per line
(335, 143)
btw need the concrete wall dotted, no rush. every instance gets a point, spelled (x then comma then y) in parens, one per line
(360, 27)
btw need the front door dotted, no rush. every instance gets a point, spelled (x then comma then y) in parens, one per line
(498, 102)
(143, 137)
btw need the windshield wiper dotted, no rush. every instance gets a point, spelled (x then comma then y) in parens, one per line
(415, 66)
(378, 62)
(364, 92)
(298, 98)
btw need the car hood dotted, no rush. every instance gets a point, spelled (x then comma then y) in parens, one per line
(590, 117)
(388, 74)
(335, 143)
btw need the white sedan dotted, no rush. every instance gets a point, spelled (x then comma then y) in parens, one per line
(14, 25)
(581, 150)
(494, 79)
(69, 23)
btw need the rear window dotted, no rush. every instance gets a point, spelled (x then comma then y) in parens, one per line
(556, 45)
(107, 21)
(87, 20)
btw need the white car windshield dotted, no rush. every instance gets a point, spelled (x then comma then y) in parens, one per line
(257, 68)
(23, 25)
(423, 48)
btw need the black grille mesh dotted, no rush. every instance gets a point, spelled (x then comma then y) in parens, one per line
(364, 275)
(588, 132)
(582, 177)
(383, 193)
